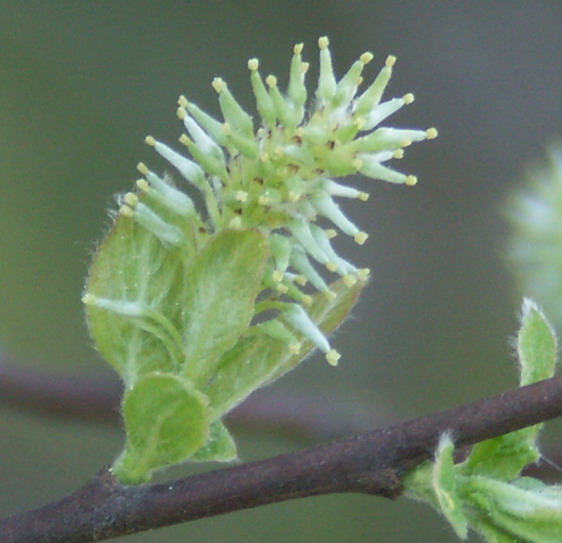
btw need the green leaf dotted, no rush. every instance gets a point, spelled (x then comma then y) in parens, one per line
(220, 446)
(132, 266)
(526, 511)
(444, 484)
(222, 283)
(536, 345)
(166, 421)
(504, 457)
(258, 358)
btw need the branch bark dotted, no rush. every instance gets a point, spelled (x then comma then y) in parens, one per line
(95, 398)
(373, 463)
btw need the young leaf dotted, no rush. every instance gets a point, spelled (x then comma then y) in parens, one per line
(258, 358)
(504, 457)
(166, 421)
(220, 446)
(127, 333)
(221, 286)
(536, 345)
(444, 484)
(525, 511)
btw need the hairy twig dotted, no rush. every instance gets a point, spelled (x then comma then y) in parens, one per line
(372, 463)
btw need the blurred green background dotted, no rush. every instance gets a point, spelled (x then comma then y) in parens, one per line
(82, 83)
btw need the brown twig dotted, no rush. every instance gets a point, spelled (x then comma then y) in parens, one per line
(96, 399)
(372, 463)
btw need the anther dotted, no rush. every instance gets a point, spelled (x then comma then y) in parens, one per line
(332, 356)
(185, 139)
(241, 196)
(411, 180)
(218, 84)
(141, 167)
(366, 57)
(432, 133)
(126, 211)
(323, 42)
(131, 199)
(408, 98)
(142, 185)
(281, 288)
(360, 238)
(390, 61)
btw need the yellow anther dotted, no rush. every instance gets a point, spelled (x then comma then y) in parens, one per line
(408, 98)
(218, 84)
(349, 280)
(183, 101)
(330, 233)
(277, 276)
(331, 295)
(295, 348)
(359, 122)
(149, 140)
(253, 64)
(411, 180)
(281, 288)
(141, 167)
(366, 57)
(431, 133)
(226, 129)
(363, 196)
(271, 81)
(142, 185)
(330, 266)
(323, 42)
(305, 66)
(357, 163)
(184, 138)
(406, 143)
(363, 273)
(181, 113)
(297, 49)
(235, 223)
(126, 211)
(89, 299)
(301, 280)
(333, 357)
(390, 61)
(131, 199)
(293, 196)
(399, 153)
(241, 196)
(360, 237)
(307, 300)
(263, 200)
